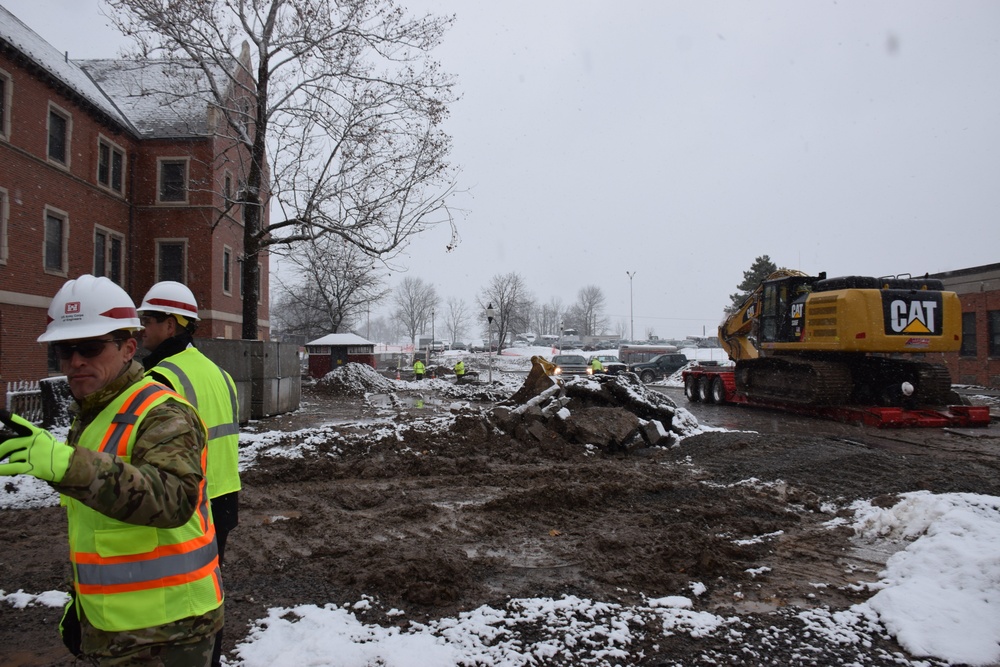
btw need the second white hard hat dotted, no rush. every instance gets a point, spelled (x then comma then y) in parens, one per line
(170, 297)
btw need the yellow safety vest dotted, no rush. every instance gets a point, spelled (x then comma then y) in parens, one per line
(212, 392)
(127, 576)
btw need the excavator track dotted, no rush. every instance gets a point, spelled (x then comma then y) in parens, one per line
(794, 381)
(872, 381)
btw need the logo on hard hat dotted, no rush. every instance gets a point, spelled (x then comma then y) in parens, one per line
(72, 307)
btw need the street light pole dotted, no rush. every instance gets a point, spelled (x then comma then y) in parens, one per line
(433, 336)
(631, 311)
(490, 313)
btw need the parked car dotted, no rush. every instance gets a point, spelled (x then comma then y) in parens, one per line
(570, 364)
(610, 362)
(660, 366)
(459, 345)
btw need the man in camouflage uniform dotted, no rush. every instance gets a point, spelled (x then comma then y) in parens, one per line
(150, 486)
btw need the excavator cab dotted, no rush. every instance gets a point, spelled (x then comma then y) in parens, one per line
(782, 309)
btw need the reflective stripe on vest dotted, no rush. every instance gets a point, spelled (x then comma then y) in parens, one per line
(117, 438)
(188, 391)
(168, 565)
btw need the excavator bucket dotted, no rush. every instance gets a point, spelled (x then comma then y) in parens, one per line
(539, 379)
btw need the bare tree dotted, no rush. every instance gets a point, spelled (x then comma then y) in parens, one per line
(334, 285)
(587, 314)
(384, 329)
(341, 96)
(549, 317)
(456, 319)
(511, 302)
(414, 299)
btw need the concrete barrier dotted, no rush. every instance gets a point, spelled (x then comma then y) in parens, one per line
(267, 374)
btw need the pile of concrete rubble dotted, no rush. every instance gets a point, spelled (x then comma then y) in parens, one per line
(615, 413)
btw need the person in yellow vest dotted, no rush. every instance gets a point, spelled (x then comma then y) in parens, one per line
(418, 369)
(596, 366)
(147, 587)
(169, 315)
(459, 372)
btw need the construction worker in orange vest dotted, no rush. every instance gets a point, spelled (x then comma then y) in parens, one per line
(133, 467)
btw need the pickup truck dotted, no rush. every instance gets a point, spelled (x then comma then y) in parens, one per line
(660, 366)
(570, 364)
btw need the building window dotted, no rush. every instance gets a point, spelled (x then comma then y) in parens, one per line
(108, 254)
(173, 181)
(170, 260)
(993, 320)
(227, 270)
(6, 89)
(110, 165)
(228, 187)
(968, 348)
(59, 135)
(4, 214)
(56, 231)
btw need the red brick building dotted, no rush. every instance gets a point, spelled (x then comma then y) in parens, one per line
(978, 362)
(104, 171)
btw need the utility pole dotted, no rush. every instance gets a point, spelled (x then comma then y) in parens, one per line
(490, 313)
(631, 310)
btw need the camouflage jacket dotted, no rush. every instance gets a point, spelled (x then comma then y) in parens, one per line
(158, 488)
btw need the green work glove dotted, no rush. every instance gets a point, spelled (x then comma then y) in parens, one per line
(26, 449)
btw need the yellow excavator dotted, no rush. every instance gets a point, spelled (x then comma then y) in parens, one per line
(854, 340)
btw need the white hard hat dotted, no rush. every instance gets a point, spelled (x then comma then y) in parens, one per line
(170, 297)
(88, 307)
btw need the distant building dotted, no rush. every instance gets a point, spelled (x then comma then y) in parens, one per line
(102, 171)
(978, 361)
(335, 350)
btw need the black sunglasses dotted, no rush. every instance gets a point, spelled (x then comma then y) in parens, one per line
(87, 349)
(145, 319)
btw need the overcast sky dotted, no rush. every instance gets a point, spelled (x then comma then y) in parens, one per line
(680, 140)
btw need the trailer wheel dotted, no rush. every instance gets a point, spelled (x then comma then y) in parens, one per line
(718, 391)
(691, 388)
(705, 389)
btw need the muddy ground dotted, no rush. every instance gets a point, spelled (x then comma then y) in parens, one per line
(434, 515)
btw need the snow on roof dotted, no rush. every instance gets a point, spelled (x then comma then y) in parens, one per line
(341, 339)
(156, 98)
(162, 98)
(57, 64)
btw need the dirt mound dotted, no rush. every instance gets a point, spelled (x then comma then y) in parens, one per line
(354, 379)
